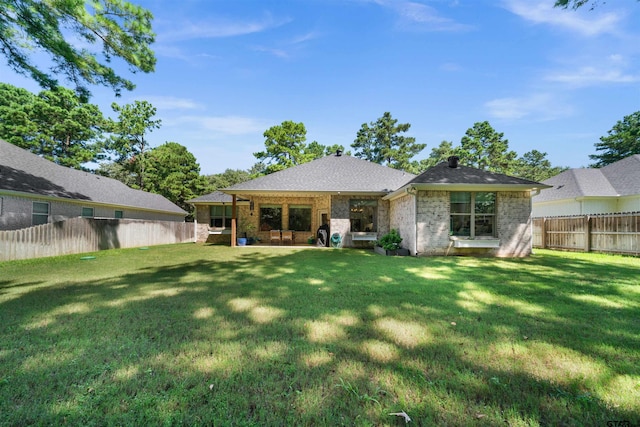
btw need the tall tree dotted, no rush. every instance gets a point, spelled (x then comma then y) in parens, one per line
(55, 124)
(484, 148)
(173, 172)
(438, 154)
(623, 140)
(227, 178)
(60, 29)
(381, 142)
(16, 126)
(535, 166)
(285, 146)
(129, 135)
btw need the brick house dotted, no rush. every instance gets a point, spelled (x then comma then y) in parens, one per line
(447, 210)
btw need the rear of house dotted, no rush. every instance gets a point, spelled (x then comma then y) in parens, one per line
(447, 210)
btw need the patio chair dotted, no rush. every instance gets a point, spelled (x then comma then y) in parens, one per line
(274, 236)
(287, 237)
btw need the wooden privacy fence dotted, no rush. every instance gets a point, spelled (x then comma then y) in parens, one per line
(79, 235)
(612, 233)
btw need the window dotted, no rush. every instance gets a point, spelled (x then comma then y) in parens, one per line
(40, 213)
(270, 217)
(300, 217)
(87, 212)
(363, 215)
(472, 214)
(118, 214)
(221, 216)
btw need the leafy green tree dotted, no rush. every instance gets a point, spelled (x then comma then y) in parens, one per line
(55, 124)
(60, 29)
(16, 126)
(285, 146)
(438, 154)
(332, 149)
(483, 148)
(69, 128)
(227, 178)
(381, 142)
(623, 140)
(534, 166)
(172, 171)
(117, 171)
(128, 141)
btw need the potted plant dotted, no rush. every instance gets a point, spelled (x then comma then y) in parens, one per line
(250, 233)
(389, 244)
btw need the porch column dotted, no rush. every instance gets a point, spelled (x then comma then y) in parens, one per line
(234, 215)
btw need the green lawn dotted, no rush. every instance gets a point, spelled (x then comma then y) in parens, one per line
(211, 335)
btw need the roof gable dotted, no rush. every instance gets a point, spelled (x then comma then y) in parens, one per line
(333, 173)
(24, 172)
(621, 178)
(464, 175)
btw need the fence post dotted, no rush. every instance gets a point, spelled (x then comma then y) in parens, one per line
(543, 231)
(587, 233)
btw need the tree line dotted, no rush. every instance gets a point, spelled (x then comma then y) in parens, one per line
(61, 125)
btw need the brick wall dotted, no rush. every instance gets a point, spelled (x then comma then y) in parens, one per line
(514, 224)
(432, 222)
(402, 217)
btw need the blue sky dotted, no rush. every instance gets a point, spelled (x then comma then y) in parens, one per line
(549, 79)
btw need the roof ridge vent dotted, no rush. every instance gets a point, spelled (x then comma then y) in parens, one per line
(338, 152)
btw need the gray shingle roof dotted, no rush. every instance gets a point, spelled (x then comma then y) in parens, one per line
(621, 178)
(215, 197)
(329, 174)
(443, 174)
(25, 172)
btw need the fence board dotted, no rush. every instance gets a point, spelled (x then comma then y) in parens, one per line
(610, 233)
(79, 235)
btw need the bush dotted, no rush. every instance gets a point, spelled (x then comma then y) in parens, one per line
(390, 241)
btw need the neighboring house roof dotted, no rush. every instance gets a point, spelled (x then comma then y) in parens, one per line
(217, 197)
(330, 174)
(461, 178)
(28, 174)
(621, 178)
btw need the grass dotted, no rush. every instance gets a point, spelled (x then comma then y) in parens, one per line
(211, 335)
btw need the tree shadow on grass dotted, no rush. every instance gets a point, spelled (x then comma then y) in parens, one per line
(312, 338)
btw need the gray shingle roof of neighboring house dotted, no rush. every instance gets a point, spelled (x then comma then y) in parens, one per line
(329, 174)
(215, 197)
(25, 172)
(621, 178)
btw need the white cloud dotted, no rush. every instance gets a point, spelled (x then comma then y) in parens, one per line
(229, 125)
(589, 76)
(612, 69)
(543, 12)
(172, 103)
(417, 16)
(539, 107)
(188, 30)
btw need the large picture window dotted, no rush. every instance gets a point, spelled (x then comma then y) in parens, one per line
(363, 215)
(300, 217)
(472, 214)
(40, 213)
(270, 217)
(221, 216)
